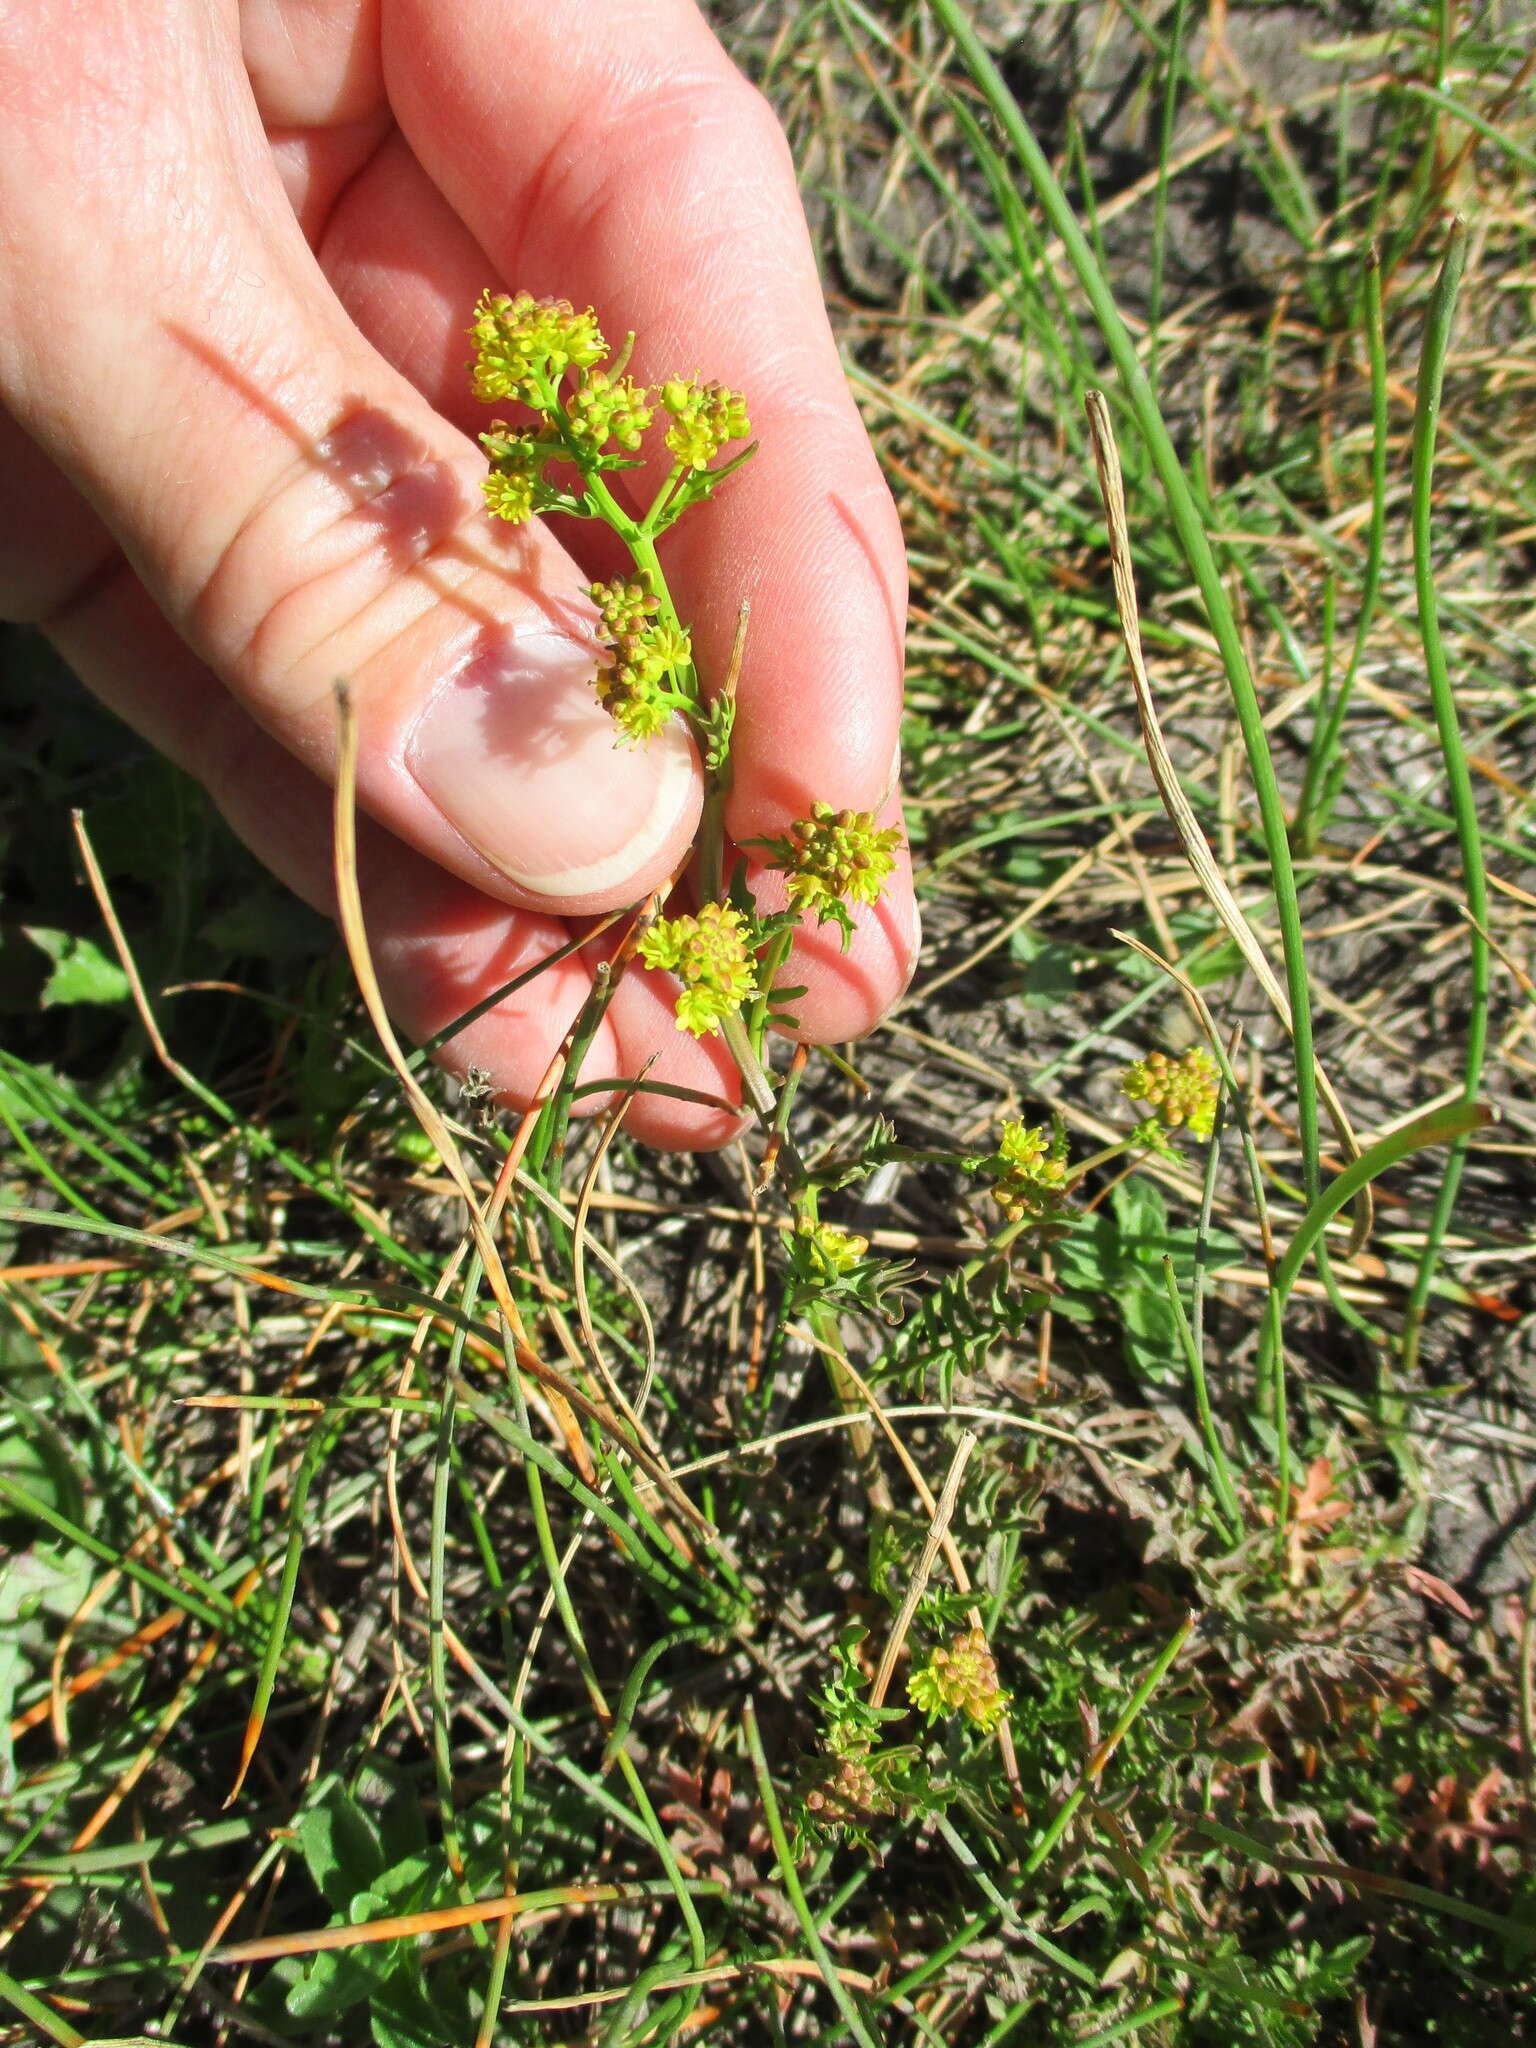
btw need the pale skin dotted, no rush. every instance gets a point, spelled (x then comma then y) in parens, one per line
(239, 247)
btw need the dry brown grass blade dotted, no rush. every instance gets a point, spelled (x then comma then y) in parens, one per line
(1182, 817)
(612, 1125)
(401, 1926)
(943, 1513)
(126, 961)
(82, 1682)
(354, 931)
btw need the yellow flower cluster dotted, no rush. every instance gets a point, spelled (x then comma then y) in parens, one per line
(960, 1680)
(545, 354)
(520, 341)
(835, 1251)
(833, 858)
(1178, 1092)
(1028, 1171)
(647, 653)
(704, 418)
(711, 956)
(604, 409)
(517, 468)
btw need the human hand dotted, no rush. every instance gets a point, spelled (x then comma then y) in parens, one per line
(239, 253)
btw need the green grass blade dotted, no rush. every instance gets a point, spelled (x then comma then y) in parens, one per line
(1437, 337)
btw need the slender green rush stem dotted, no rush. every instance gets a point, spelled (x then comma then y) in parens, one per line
(1218, 1470)
(1450, 1125)
(1014, 1921)
(1327, 766)
(42, 2016)
(576, 1639)
(1437, 336)
(1121, 2030)
(1172, 67)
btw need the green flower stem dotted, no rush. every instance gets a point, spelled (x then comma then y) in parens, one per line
(777, 953)
(756, 1085)
(709, 847)
(653, 521)
(688, 691)
(1110, 1153)
(638, 535)
(548, 1140)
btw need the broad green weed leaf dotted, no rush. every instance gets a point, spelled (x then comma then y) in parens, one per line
(340, 1848)
(82, 973)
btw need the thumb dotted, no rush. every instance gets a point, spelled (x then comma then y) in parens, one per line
(296, 509)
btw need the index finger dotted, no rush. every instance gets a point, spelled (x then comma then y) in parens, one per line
(616, 157)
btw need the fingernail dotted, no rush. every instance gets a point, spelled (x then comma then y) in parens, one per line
(522, 760)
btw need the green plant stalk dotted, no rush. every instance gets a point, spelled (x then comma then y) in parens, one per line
(42, 2016)
(547, 1145)
(1449, 1125)
(774, 956)
(44, 1105)
(1187, 521)
(634, 1685)
(1366, 1882)
(310, 1404)
(139, 1852)
(704, 1591)
(667, 1584)
(490, 2003)
(1270, 1380)
(966, 1857)
(48, 1091)
(934, 1961)
(756, 1085)
(1276, 168)
(1144, 1691)
(1172, 66)
(207, 1604)
(1326, 765)
(1218, 1471)
(794, 1891)
(638, 535)
(221, 1259)
(428, 1046)
(1122, 2030)
(45, 1170)
(624, 2029)
(1432, 96)
(1437, 336)
(321, 1439)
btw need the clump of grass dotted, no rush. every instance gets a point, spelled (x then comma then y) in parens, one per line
(999, 1593)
